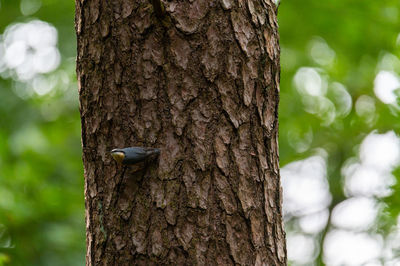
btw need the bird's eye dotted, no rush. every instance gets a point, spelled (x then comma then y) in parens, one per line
(118, 156)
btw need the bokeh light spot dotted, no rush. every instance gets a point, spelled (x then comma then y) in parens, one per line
(385, 84)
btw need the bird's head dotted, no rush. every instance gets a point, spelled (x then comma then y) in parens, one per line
(118, 155)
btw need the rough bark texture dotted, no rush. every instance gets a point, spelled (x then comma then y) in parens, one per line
(202, 84)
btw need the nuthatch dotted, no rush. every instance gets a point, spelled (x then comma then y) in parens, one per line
(133, 155)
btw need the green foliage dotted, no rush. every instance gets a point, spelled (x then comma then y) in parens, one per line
(41, 175)
(332, 53)
(393, 204)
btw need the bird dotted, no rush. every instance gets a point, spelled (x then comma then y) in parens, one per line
(133, 155)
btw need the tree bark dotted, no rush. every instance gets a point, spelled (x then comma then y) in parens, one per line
(201, 82)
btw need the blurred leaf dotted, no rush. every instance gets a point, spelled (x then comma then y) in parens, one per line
(5, 238)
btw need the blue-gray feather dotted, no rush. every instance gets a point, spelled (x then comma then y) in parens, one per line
(137, 154)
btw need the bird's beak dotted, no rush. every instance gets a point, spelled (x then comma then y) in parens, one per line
(118, 156)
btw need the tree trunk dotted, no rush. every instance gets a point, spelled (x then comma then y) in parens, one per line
(200, 81)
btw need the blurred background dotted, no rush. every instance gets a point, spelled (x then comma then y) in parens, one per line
(339, 126)
(41, 173)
